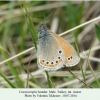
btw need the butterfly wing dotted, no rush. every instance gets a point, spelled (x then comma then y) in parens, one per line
(71, 57)
(50, 55)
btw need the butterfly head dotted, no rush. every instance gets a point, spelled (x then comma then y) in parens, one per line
(43, 32)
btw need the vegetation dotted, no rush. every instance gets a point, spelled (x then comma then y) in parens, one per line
(78, 22)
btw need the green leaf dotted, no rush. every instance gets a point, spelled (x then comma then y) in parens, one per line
(7, 80)
(97, 29)
(49, 80)
(13, 71)
(30, 24)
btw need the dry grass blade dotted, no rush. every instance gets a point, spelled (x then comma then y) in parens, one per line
(78, 78)
(60, 35)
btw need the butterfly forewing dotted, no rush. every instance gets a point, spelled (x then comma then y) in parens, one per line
(71, 57)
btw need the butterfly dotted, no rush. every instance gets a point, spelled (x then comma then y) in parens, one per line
(53, 52)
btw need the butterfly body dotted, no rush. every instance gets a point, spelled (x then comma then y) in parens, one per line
(53, 51)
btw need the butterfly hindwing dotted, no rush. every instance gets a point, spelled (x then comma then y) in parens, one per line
(50, 54)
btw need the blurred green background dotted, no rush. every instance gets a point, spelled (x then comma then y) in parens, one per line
(16, 37)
